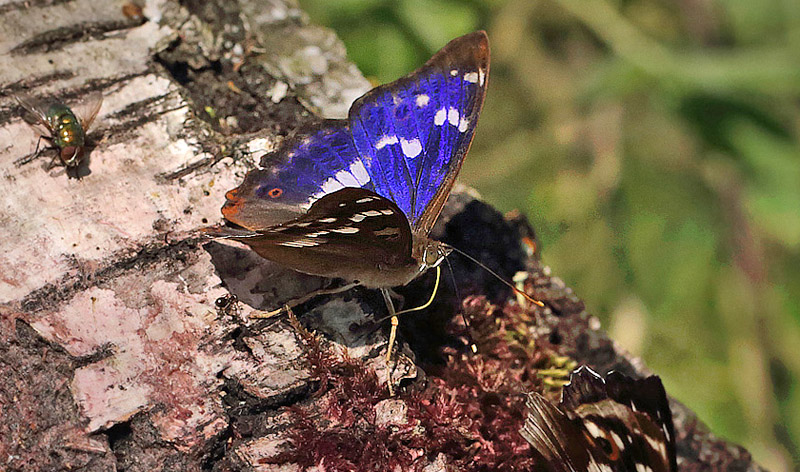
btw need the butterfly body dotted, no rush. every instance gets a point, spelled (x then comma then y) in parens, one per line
(617, 424)
(357, 198)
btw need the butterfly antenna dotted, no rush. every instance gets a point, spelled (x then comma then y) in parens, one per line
(497, 276)
(473, 347)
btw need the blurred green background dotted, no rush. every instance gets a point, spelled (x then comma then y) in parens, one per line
(654, 146)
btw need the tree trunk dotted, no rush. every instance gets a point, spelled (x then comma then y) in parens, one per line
(114, 354)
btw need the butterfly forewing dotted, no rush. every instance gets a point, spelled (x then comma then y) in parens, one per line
(404, 140)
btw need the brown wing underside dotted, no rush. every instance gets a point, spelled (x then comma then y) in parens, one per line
(353, 234)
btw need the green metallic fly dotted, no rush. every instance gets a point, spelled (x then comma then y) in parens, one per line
(64, 129)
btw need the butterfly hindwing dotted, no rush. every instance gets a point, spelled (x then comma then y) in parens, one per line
(340, 225)
(617, 424)
(404, 140)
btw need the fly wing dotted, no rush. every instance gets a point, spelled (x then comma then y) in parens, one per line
(87, 109)
(35, 114)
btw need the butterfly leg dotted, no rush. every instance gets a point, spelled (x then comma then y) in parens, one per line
(387, 297)
(299, 301)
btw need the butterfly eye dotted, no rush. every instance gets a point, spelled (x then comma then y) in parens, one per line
(275, 192)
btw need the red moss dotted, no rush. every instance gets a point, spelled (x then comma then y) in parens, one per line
(471, 409)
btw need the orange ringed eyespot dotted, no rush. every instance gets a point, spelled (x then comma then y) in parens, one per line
(275, 192)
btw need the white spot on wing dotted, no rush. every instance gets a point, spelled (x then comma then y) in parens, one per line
(360, 172)
(452, 116)
(345, 230)
(354, 176)
(440, 117)
(299, 243)
(471, 77)
(617, 440)
(593, 429)
(317, 234)
(383, 142)
(422, 100)
(347, 179)
(371, 213)
(481, 77)
(363, 200)
(657, 445)
(463, 125)
(454, 72)
(357, 218)
(329, 186)
(387, 212)
(411, 148)
(327, 220)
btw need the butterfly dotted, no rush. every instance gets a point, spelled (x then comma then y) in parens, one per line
(62, 126)
(616, 424)
(356, 198)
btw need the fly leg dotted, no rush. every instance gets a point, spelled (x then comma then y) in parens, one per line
(36, 152)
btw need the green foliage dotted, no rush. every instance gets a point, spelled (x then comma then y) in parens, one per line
(654, 145)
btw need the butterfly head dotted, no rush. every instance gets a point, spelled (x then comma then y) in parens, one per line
(430, 253)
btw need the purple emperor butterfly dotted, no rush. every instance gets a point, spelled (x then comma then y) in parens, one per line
(614, 425)
(356, 198)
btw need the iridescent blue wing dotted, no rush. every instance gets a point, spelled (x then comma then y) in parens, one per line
(303, 170)
(405, 141)
(413, 134)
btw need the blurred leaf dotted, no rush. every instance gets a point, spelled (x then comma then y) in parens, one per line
(383, 52)
(435, 22)
(581, 255)
(774, 192)
(340, 10)
(755, 22)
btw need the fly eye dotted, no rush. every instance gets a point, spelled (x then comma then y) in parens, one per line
(275, 192)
